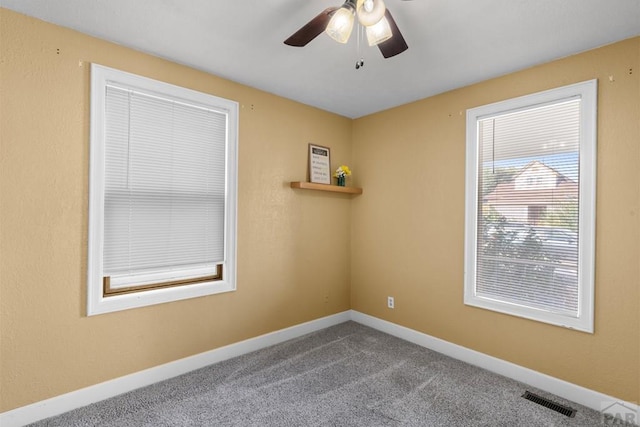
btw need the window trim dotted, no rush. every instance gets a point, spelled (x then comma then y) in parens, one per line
(99, 301)
(587, 92)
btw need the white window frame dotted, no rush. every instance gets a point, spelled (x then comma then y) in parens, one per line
(587, 92)
(97, 302)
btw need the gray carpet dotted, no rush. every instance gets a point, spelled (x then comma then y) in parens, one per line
(346, 375)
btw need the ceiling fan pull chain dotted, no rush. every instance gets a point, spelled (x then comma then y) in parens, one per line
(359, 62)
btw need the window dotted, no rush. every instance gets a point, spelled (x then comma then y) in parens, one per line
(162, 214)
(530, 206)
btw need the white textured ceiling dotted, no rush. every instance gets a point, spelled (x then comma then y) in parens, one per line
(452, 43)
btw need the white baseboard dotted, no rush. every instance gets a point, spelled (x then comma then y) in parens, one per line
(86, 396)
(575, 393)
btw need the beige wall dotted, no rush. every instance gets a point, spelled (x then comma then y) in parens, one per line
(286, 238)
(408, 227)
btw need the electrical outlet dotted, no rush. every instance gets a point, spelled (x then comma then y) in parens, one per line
(390, 302)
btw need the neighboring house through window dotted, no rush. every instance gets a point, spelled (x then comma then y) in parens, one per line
(530, 202)
(534, 192)
(162, 192)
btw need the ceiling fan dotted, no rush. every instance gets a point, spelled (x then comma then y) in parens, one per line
(337, 22)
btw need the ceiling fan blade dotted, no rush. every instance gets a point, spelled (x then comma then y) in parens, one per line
(312, 29)
(395, 44)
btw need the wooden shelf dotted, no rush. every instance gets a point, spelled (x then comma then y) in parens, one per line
(325, 187)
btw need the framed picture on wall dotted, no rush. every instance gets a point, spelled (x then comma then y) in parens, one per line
(319, 164)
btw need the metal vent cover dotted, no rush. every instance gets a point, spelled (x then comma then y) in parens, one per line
(564, 410)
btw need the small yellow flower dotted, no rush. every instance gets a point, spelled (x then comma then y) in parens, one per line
(342, 171)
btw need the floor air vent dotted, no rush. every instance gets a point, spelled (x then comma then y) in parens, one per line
(564, 410)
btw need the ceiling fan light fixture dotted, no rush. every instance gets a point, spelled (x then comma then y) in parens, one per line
(338, 23)
(379, 32)
(341, 23)
(370, 12)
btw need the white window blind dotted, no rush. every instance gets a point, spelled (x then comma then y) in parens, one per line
(530, 192)
(164, 189)
(528, 207)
